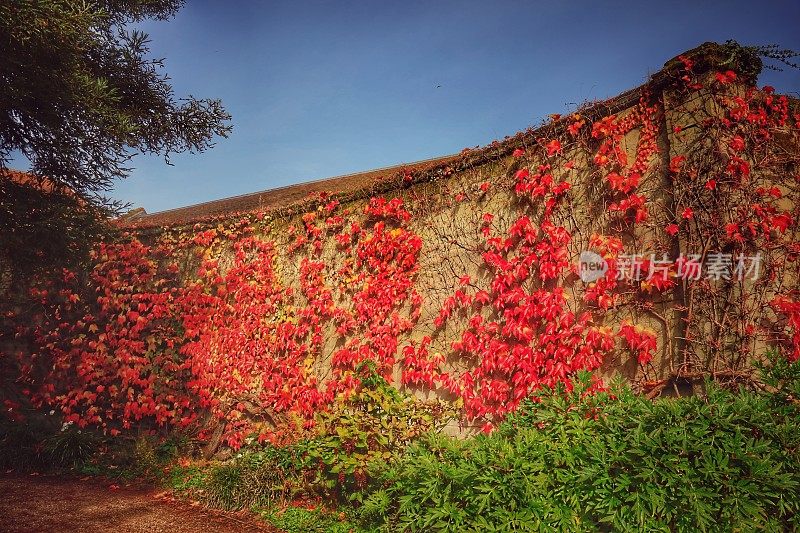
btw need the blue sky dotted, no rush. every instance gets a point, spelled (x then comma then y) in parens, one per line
(318, 89)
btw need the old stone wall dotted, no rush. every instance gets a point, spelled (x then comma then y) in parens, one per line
(459, 278)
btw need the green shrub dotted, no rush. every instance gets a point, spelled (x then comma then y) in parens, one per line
(299, 520)
(224, 489)
(253, 479)
(187, 479)
(38, 446)
(147, 457)
(576, 462)
(374, 425)
(71, 448)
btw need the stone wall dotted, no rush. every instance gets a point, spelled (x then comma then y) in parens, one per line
(459, 276)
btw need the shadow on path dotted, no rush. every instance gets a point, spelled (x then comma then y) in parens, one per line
(44, 504)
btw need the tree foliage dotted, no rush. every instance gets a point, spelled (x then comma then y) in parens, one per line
(43, 230)
(81, 93)
(80, 96)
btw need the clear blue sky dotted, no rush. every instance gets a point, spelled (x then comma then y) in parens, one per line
(318, 89)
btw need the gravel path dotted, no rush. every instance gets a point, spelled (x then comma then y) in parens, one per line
(42, 504)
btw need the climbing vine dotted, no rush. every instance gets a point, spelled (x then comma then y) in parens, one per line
(469, 289)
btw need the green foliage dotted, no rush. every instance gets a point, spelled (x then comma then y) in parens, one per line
(253, 479)
(374, 425)
(71, 448)
(37, 446)
(81, 92)
(269, 477)
(773, 52)
(299, 520)
(577, 462)
(81, 95)
(782, 379)
(145, 458)
(224, 487)
(186, 479)
(43, 232)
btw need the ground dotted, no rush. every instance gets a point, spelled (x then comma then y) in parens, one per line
(43, 504)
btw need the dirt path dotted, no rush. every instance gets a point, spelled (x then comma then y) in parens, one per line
(40, 504)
